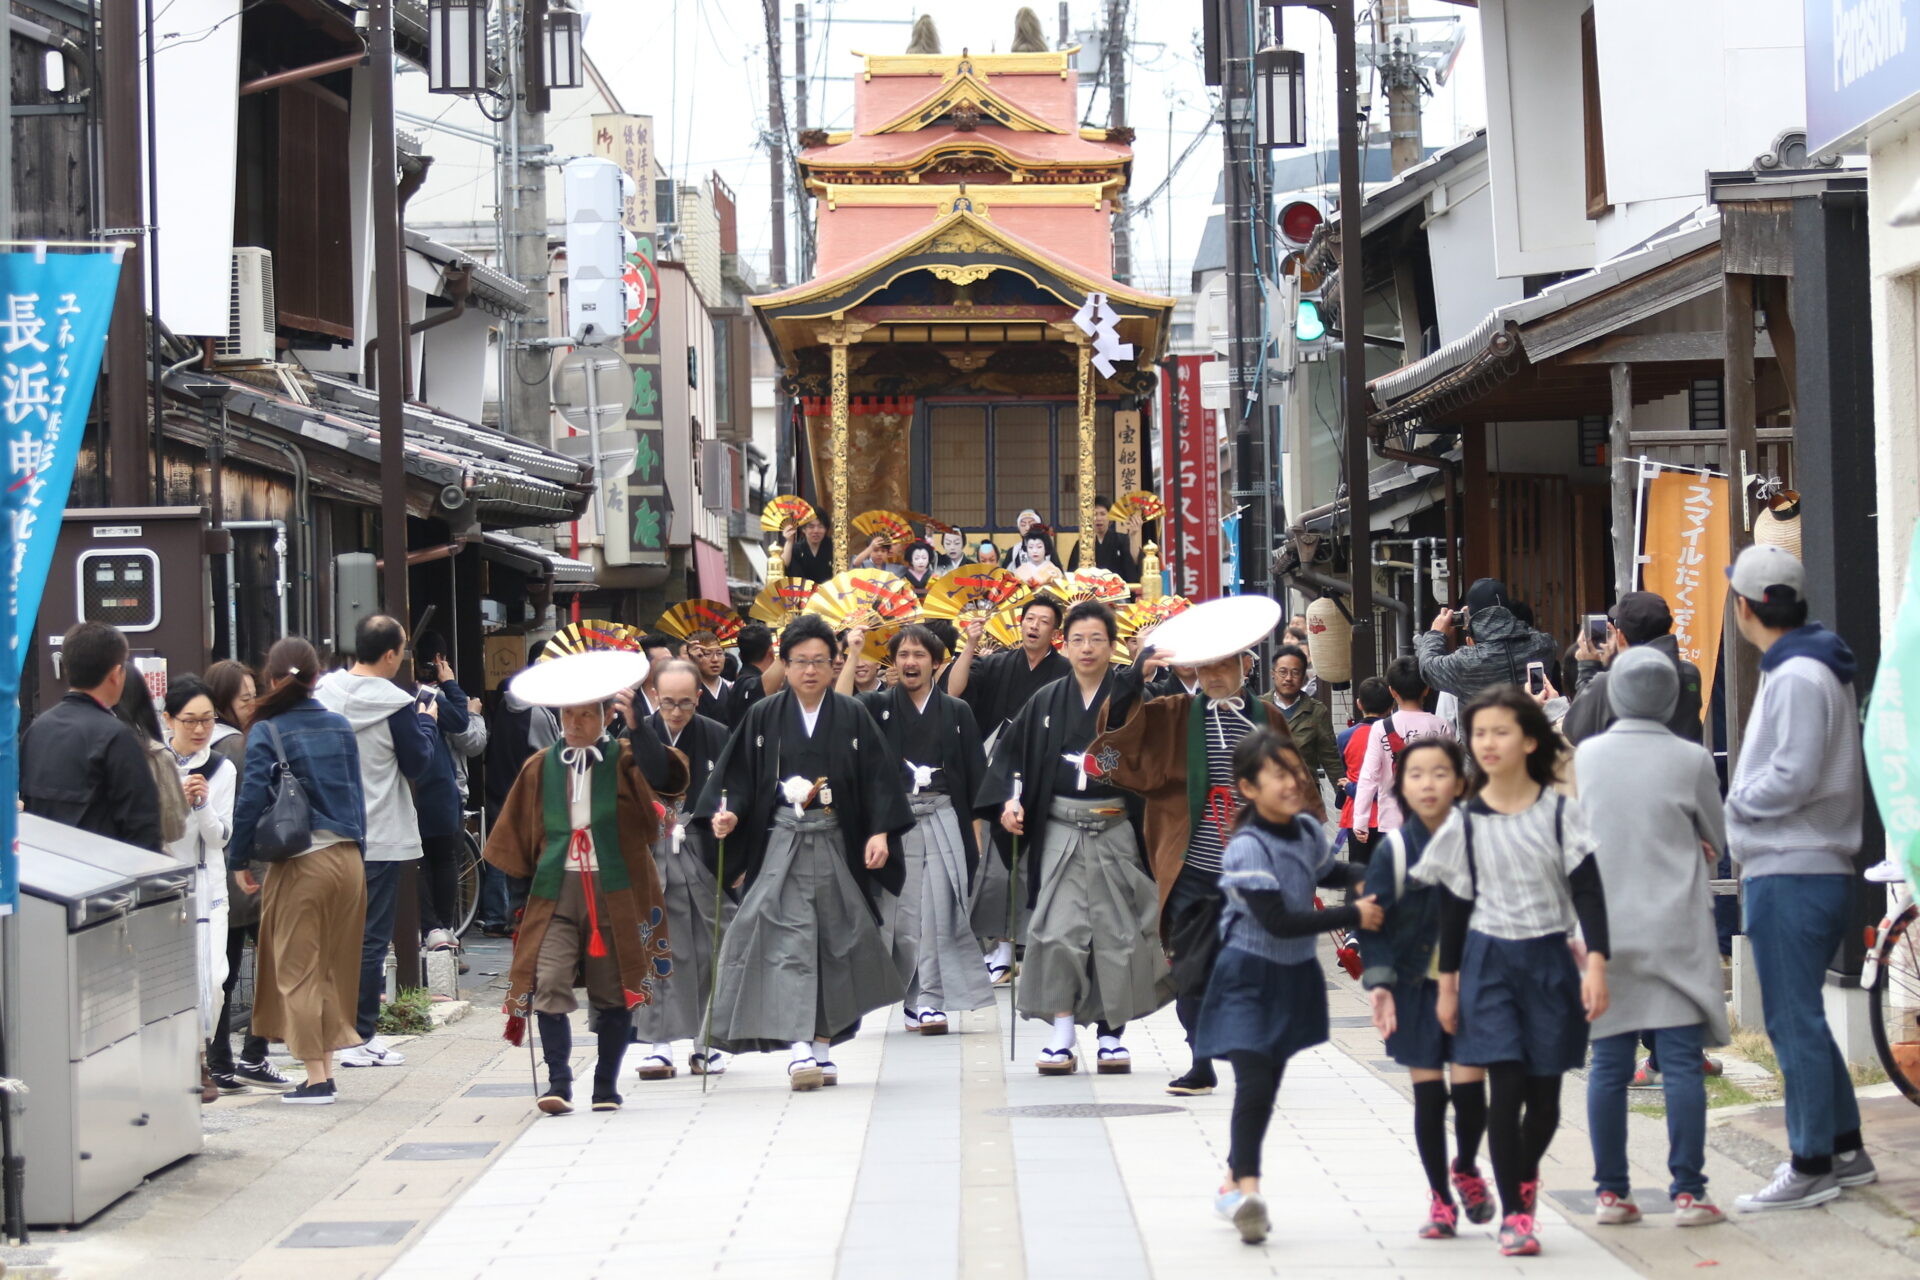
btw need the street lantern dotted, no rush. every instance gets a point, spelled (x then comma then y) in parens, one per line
(565, 63)
(1279, 98)
(457, 46)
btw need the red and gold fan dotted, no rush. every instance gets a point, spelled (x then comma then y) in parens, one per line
(970, 591)
(933, 525)
(781, 601)
(690, 616)
(891, 523)
(867, 598)
(1141, 502)
(784, 510)
(1145, 615)
(588, 635)
(1093, 584)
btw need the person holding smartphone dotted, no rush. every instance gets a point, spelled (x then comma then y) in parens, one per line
(1637, 618)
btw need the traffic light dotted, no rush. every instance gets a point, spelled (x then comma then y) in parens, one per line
(597, 248)
(1309, 323)
(1299, 218)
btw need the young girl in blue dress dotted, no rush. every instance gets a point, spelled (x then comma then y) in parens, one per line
(1429, 776)
(1515, 868)
(1267, 997)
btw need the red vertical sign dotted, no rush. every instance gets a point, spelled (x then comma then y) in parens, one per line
(1193, 525)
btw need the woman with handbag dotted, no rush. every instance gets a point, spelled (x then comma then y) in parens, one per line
(299, 822)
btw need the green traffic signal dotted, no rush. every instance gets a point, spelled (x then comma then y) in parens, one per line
(1308, 326)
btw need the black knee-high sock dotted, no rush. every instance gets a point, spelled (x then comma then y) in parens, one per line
(1430, 1133)
(1469, 1123)
(1506, 1092)
(1542, 1119)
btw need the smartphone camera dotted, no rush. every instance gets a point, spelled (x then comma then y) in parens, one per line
(1536, 678)
(1459, 619)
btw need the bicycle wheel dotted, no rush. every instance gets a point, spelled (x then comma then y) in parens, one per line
(1894, 1002)
(467, 883)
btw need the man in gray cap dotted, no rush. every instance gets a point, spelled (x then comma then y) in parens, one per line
(1637, 618)
(1794, 807)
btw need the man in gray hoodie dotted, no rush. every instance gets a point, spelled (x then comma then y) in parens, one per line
(1498, 648)
(395, 733)
(1794, 808)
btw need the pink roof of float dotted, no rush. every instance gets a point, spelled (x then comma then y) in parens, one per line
(1016, 145)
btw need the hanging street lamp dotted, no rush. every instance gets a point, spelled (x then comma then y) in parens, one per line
(1279, 98)
(566, 64)
(457, 46)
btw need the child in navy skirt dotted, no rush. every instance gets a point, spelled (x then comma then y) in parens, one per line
(1402, 983)
(1267, 997)
(1515, 868)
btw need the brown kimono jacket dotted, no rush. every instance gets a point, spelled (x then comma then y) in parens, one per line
(1152, 746)
(633, 918)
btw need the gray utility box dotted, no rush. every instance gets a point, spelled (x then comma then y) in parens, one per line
(109, 1027)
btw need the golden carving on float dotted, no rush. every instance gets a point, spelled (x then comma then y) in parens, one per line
(1052, 62)
(970, 274)
(949, 198)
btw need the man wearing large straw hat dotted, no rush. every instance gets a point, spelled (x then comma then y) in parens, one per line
(580, 824)
(1176, 752)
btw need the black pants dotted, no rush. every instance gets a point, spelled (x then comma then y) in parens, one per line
(1522, 1113)
(1191, 886)
(220, 1047)
(1256, 1084)
(383, 896)
(440, 882)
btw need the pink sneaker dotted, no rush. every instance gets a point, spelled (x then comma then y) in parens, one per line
(1441, 1217)
(1475, 1198)
(1516, 1236)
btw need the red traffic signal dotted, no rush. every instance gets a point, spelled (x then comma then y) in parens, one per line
(1299, 219)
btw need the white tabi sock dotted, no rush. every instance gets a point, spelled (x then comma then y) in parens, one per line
(661, 1049)
(802, 1049)
(1062, 1033)
(1110, 1042)
(1002, 954)
(821, 1050)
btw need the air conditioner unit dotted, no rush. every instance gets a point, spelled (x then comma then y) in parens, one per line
(250, 310)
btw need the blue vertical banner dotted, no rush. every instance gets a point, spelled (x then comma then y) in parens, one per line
(1230, 538)
(54, 310)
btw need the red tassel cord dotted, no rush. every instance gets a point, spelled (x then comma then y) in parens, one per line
(582, 847)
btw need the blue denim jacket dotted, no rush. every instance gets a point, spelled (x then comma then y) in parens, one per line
(325, 756)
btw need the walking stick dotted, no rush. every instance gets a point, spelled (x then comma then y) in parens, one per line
(1013, 959)
(713, 974)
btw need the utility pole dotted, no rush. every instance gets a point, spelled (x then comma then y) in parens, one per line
(1246, 361)
(1066, 37)
(121, 217)
(1353, 338)
(776, 141)
(526, 392)
(1400, 76)
(1117, 119)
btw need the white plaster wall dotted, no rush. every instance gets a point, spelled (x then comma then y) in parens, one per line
(1466, 280)
(453, 367)
(1535, 144)
(1893, 171)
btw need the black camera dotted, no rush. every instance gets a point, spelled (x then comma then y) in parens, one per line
(1459, 619)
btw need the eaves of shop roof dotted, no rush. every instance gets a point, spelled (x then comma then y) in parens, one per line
(495, 290)
(562, 573)
(1408, 190)
(1503, 332)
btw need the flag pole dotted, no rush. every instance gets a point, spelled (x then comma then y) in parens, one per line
(1013, 943)
(713, 973)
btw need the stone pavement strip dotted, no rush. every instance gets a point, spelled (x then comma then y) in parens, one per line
(938, 1157)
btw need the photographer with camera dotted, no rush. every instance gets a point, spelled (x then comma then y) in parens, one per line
(1637, 618)
(1498, 645)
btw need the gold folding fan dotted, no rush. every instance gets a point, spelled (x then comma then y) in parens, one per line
(690, 616)
(971, 591)
(1093, 584)
(891, 523)
(784, 510)
(864, 598)
(781, 601)
(590, 634)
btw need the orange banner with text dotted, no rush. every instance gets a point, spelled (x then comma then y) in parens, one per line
(1684, 559)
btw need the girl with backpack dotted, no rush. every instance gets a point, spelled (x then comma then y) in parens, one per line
(1515, 868)
(1429, 777)
(1267, 997)
(1374, 808)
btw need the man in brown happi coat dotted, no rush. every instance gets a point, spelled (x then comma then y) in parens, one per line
(580, 824)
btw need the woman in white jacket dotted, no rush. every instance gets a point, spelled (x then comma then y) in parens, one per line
(209, 780)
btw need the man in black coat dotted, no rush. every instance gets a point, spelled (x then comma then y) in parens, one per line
(1637, 618)
(79, 763)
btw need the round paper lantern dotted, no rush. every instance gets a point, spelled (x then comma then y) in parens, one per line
(1779, 524)
(1330, 641)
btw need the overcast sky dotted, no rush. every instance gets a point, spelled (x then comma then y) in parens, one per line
(698, 67)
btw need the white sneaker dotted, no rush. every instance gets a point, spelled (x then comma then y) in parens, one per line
(438, 940)
(374, 1053)
(1885, 871)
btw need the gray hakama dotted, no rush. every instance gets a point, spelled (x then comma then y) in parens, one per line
(988, 914)
(926, 925)
(679, 1005)
(803, 958)
(1093, 946)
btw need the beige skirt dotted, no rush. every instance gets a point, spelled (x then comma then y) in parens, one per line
(313, 909)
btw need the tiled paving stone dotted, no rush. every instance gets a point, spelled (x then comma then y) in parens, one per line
(501, 1089)
(1350, 1020)
(346, 1235)
(1085, 1110)
(1650, 1202)
(442, 1151)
